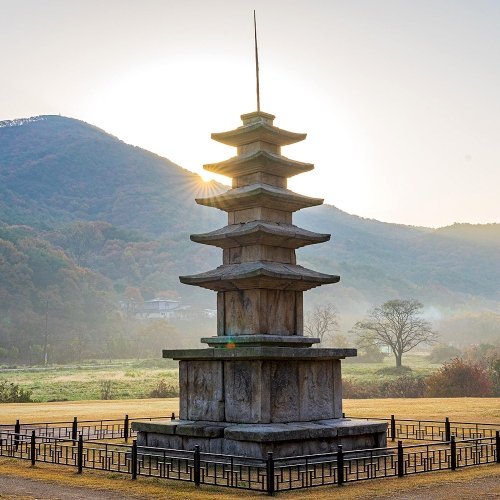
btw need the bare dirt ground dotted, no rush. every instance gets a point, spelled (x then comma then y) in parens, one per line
(473, 483)
(487, 488)
(20, 488)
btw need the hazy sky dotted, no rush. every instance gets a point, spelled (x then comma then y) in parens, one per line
(400, 99)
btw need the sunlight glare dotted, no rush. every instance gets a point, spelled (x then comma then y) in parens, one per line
(171, 107)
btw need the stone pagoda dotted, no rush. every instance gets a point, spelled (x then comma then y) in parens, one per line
(260, 387)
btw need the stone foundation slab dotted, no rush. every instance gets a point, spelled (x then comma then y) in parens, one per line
(256, 440)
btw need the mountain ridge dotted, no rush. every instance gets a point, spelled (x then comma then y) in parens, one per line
(55, 171)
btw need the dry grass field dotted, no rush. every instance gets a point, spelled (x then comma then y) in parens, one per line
(474, 482)
(135, 379)
(126, 379)
(457, 409)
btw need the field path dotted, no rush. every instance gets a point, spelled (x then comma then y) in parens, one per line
(21, 488)
(487, 488)
(482, 488)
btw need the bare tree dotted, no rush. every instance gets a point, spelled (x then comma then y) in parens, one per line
(322, 322)
(396, 324)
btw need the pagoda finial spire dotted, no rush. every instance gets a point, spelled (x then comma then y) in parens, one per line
(256, 60)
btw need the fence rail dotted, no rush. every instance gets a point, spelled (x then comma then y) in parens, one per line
(416, 430)
(269, 475)
(89, 429)
(434, 430)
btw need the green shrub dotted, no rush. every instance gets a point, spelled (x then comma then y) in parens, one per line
(369, 354)
(12, 393)
(394, 370)
(442, 353)
(356, 390)
(406, 386)
(495, 377)
(164, 390)
(107, 391)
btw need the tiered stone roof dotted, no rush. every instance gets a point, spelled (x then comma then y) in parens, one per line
(260, 239)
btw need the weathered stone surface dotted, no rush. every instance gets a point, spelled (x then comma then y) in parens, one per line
(283, 439)
(200, 429)
(260, 232)
(259, 195)
(260, 275)
(266, 214)
(251, 253)
(262, 388)
(259, 178)
(260, 312)
(258, 127)
(245, 395)
(316, 389)
(160, 426)
(337, 388)
(251, 161)
(257, 340)
(285, 395)
(203, 391)
(276, 353)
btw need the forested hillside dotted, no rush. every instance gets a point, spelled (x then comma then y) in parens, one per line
(462, 258)
(54, 170)
(86, 219)
(36, 277)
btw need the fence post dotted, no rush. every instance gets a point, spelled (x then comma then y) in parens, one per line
(33, 448)
(447, 429)
(74, 431)
(340, 466)
(197, 465)
(17, 431)
(134, 459)
(393, 428)
(125, 428)
(498, 446)
(80, 454)
(270, 473)
(401, 464)
(453, 446)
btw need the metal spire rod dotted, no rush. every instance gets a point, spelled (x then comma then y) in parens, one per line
(256, 61)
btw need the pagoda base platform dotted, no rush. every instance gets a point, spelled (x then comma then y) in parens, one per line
(249, 400)
(256, 440)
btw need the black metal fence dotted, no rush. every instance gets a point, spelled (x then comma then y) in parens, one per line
(271, 475)
(434, 430)
(417, 430)
(89, 429)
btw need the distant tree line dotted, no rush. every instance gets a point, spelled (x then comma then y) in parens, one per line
(52, 309)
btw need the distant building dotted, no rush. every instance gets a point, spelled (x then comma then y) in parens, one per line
(160, 309)
(210, 313)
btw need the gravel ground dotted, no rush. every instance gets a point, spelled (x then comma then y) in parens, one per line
(14, 487)
(484, 488)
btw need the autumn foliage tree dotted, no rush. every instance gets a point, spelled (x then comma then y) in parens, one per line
(459, 378)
